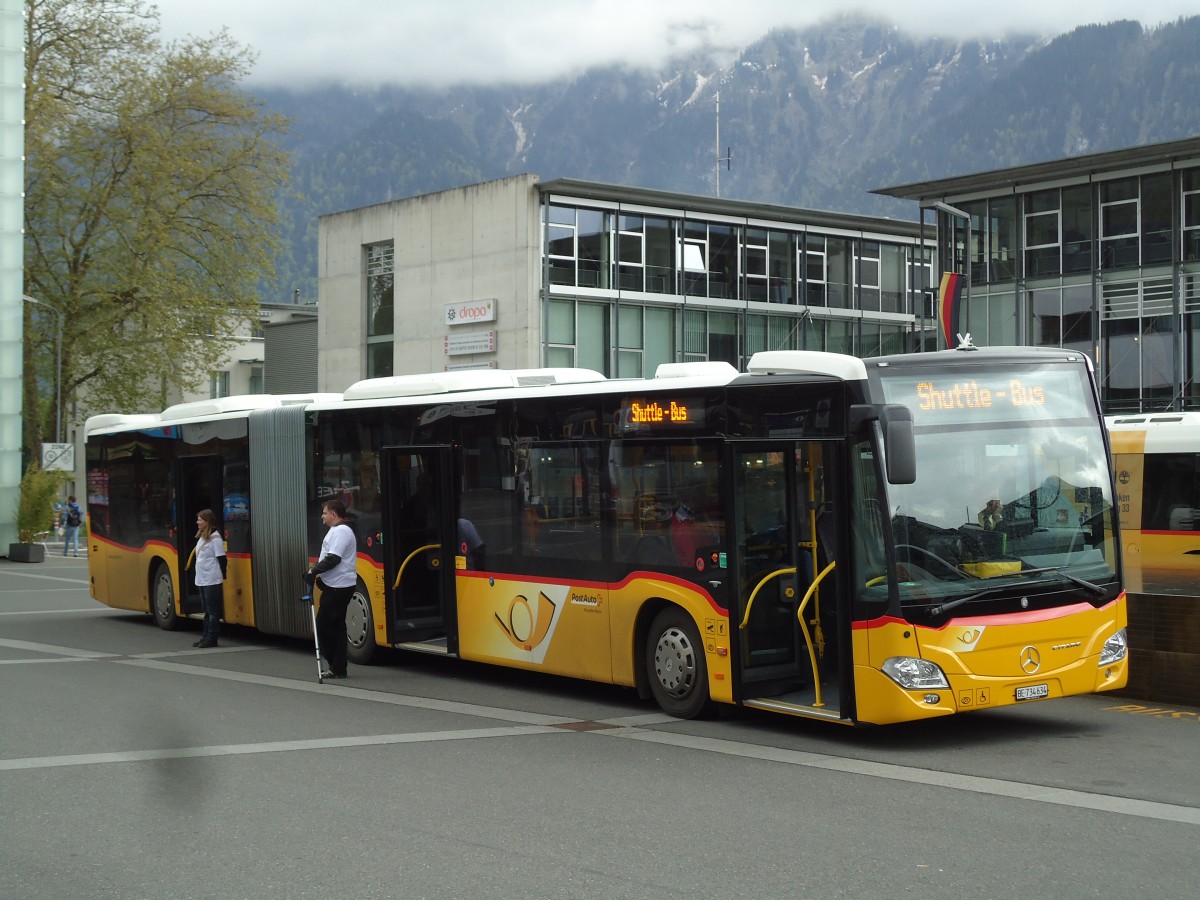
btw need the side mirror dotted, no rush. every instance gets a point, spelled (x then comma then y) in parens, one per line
(899, 444)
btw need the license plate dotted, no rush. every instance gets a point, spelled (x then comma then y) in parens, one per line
(1033, 692)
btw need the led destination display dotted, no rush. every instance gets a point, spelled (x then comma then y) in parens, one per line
(989, 397)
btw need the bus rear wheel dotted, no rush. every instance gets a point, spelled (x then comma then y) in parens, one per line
(162, 599)
(675, 665)
(361, 648)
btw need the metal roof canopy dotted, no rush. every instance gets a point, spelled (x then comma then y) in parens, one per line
(1169, 153)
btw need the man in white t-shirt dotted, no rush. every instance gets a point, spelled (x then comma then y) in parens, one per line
(335, 573)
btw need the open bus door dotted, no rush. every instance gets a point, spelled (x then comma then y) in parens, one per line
(786, 607)
(198, 485)
(419, 530)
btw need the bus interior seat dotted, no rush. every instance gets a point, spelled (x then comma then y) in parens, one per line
(653, 549)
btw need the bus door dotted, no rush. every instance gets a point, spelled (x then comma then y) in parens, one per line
(786, 626)
(198, 485)
(419, 541)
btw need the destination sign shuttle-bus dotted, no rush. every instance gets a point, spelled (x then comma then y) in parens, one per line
(807, 537)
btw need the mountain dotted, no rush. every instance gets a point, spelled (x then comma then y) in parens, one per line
(813, 118)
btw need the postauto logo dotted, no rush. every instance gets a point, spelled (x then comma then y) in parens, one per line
(471, 311)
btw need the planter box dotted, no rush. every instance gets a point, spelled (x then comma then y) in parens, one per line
(31, 553)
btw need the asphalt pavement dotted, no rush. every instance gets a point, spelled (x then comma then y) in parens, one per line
(134, 766)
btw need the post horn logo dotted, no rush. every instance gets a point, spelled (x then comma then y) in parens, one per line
(524, 629)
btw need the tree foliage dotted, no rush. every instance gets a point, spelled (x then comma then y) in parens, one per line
(150, 209)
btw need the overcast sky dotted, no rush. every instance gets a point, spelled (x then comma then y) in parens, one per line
(447, 41)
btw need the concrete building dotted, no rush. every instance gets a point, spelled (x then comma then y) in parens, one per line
(1100, 253)
(517, 273)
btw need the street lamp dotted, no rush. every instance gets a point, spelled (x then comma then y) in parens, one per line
(58, 364)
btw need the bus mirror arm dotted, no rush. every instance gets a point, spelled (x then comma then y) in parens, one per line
(899, 445)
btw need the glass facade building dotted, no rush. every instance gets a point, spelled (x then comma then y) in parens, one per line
(1098, 253)
(634, 278)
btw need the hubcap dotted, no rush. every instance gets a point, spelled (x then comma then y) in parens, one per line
(163, 601)
(675, 662)
(356, 620)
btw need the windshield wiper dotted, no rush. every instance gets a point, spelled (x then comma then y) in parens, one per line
(1074, 579)
(1057, 570)
(953, 604)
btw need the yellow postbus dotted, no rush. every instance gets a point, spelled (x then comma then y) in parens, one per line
(860, 541)
(1156, 458)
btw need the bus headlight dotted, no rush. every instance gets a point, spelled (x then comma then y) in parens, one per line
(1115, 648)
(914, 674)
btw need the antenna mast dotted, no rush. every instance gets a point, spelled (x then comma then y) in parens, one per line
(728, 157)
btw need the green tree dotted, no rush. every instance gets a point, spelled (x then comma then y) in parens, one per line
(150, 210)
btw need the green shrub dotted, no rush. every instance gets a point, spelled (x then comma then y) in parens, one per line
(35, 504)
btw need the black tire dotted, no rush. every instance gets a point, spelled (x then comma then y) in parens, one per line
(361, 648)
(162, 599)
(675, 665)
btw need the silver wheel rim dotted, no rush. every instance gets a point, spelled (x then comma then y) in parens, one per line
(675, 662)
(357, 620)
(164, 602)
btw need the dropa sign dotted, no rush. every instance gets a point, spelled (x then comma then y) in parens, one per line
(468, 312)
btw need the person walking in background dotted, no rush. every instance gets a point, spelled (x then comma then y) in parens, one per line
(211, 566)
(72, 519)
(335, 573)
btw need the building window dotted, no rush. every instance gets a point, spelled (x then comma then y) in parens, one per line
(1002, 239)
(577, 246)
(1156, 219)
(660, 255)
(839, 273)
(631, 341)
(256, 380)
(1191, 215)
(1077, 229)
(218, 385)
(868, 275)
(1042, 234)
(710, 259)
(892, 280)
(770, 273)
(1119, 223)
(560, 334)
(814, 267)
(631, 253)
(381, 306)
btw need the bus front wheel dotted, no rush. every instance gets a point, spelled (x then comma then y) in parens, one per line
(675, 665)
(162, 599)
(361, 648)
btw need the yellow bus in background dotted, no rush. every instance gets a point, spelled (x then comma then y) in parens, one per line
(1156, 458)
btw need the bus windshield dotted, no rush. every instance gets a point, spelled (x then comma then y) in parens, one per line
(1013, 498)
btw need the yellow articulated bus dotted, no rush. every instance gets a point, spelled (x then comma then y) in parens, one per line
(1156, 457)
(861, 541)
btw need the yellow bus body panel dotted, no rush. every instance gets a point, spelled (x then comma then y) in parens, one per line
(580, 629)
(983, 660)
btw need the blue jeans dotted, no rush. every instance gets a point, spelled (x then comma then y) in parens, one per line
(213, 598)
(71, 538)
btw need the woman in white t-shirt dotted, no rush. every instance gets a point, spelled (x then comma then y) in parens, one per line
(210, 573)
(335, 573)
